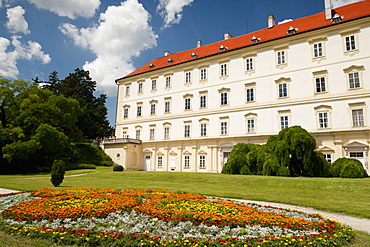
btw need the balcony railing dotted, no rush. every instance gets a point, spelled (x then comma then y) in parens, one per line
(112, 140)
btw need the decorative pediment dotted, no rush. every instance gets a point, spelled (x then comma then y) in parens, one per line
(355, 144)
(186, 152)
(173, 153)
(159, 153)
(326, 149)
(202, 152)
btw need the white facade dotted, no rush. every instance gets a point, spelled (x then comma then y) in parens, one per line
(189, 115)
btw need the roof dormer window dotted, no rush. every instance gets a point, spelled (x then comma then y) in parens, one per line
(151, 65)
(194, 55)
(337, 18)
(292, 30)
(255, 40)
(223, 48)
(170, 60)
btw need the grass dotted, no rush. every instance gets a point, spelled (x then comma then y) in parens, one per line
(348, 196)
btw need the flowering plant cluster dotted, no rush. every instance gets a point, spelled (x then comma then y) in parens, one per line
(106, 217)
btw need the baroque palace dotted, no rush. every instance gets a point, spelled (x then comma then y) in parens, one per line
(185, 111)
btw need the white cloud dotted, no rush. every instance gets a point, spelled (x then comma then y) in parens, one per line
(122, 32)
(69, 8)
(338, 3)
(171, 10)
(8, 59)
(16, 22)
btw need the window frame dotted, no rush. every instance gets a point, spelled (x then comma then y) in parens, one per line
(358, 120)
(159, 161)
(153, 109)
(186, 161)
(140, 87)
(187, 129)
(224, 98)
(125, 112)
(152, 133)
(154, 84)
(203, 129)
(224, 127)
(188, 79)
(202, 161)
(168, 82)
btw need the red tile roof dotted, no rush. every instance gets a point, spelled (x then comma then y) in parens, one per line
(348, 12)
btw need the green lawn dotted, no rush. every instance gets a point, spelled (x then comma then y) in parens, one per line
(348, 196)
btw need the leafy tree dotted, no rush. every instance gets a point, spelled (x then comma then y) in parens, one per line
(57, 172)
(78, 85)
(295, 148)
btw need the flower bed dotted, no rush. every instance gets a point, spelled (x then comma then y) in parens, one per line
(105, 217)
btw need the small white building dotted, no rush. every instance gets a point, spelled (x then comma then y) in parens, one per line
(185, 111)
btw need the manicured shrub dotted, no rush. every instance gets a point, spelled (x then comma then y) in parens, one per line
(89, 154)
(283, 172)
(73, 166)
(245, 170)
(57, 172)
(117, 168)
(352, 170)
(347, 168)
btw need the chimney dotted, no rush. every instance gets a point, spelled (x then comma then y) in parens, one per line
(227, 36)
(328, 9)
(167, 53)
(199, 43)
(271, 21)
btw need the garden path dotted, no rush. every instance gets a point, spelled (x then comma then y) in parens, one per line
(356, 223)
(360, 224)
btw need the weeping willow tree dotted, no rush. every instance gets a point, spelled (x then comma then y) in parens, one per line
(294, 148)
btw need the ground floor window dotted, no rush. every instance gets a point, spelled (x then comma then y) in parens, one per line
(202, 161)
(328, 158)
(187, 161)
(160, 161)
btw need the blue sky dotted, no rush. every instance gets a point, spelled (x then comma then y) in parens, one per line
(111, 38)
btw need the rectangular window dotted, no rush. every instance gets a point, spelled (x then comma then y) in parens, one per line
(187, 130)
(317, 50)
(284, 122)
(358, 118)
(354, 80)
(167, 105)
(140, 87)
(356, 154)
(224, 100)
(152, 109)
(283, 90)
(125, 113)
(138, 111)
(223, 69)
(250, 94)
(203, 74)
(154, 84)
(328, 158)
(203, 129)
(320, 84)
(188, 77)
(151, 133)
(202, 161)
(223, 128)
(249, 64)
(127, 90)
(166, 132)
(187, 161)
(203, 101)
(350, 43)
(168, 81)
(160, 161)
(138, 132)
(281, 57)
(250, 125)
(187, 104)
(323, 120)
(124, 134)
